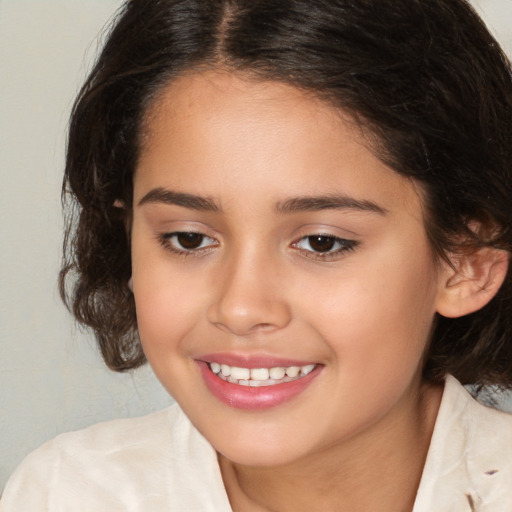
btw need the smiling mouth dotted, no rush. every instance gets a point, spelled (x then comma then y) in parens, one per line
(258, 377)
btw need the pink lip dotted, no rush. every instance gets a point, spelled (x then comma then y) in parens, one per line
(255, 398)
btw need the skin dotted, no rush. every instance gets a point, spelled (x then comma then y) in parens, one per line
(356, 438)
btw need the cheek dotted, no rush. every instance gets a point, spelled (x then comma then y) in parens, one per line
(165, 299)
(165, 308)
(379, 317)
(167, 313)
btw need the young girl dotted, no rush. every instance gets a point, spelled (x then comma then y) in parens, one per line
(299, 213)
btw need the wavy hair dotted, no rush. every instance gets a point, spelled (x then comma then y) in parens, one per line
(424, 77)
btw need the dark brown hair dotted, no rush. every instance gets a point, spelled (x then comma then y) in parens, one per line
(425, 77)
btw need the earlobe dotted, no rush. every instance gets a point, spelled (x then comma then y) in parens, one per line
(472, 281)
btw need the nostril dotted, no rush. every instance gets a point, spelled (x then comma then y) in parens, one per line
(240, 329)
(249, 319)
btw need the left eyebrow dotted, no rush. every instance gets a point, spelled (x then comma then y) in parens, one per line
(328, 202)
(170, 197)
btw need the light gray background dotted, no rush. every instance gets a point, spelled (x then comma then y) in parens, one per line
(51, 376)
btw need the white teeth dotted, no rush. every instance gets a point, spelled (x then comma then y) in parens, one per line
(293, 371)
(277, 373)
(240, 373)
(307, 369)
(260, 376)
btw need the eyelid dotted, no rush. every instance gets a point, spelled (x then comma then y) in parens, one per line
(346, 245)
(165, 239)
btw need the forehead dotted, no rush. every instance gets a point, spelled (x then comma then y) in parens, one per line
(198, 101)
(217, 132)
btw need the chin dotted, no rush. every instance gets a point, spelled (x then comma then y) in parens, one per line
(258, 457)
(260, 452)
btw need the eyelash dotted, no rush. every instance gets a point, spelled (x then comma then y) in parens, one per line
(166, 240)
(330, 255)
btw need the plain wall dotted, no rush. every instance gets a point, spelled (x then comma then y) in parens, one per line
(51, 376)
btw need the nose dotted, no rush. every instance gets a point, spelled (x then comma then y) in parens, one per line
(250, 298)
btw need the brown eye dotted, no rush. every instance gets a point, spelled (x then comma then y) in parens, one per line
(320, 243)
(323, 246)
(189, 241)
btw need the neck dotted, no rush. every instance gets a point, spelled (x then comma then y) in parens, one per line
(377, 469)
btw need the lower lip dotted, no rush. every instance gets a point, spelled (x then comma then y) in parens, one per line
(254, 398)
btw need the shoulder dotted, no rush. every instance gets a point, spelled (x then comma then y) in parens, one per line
(469, 463)
(126, 464)
(488, 449)
(87, 457)
(107, 437)
(104, 442)
(487, 431)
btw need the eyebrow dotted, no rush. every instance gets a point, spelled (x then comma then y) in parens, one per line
(328, 202)
(292, 205)
(194, 202)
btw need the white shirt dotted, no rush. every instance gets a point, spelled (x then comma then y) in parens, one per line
(160, 462)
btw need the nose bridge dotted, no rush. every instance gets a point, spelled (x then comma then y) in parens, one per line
(251, 296)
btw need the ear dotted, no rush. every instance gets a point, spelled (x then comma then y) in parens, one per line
(472, 281)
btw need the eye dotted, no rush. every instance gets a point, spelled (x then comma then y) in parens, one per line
(187, 241)
(322, 246)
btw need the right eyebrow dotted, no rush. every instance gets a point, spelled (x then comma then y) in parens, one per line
(328, 202)
(194, 202)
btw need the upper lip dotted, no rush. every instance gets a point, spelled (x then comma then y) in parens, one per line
(251, 360)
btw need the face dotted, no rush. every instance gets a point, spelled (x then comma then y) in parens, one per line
(284, 284)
